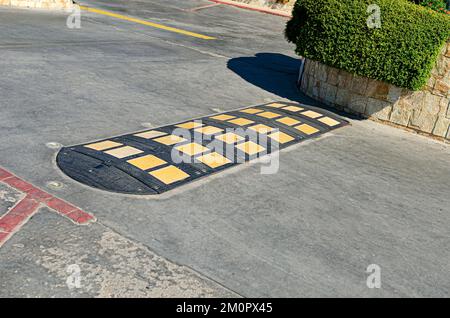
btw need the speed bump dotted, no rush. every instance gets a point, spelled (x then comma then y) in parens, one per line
(158, 160)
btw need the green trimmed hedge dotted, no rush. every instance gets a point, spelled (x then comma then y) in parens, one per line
(402, 52)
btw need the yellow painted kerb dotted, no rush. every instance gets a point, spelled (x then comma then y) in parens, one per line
(148, 23)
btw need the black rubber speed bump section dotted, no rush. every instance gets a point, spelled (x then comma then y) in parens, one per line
(157, 160)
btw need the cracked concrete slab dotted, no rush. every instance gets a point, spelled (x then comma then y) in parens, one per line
(109, 265)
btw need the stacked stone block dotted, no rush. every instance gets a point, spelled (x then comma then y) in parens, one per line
(427, 110)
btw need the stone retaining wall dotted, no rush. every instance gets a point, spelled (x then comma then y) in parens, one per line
(426, 111)
(38, 4)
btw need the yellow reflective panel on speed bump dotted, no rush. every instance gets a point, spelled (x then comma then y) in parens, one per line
(208, 130)
(169, 140)
(276, 105)
(269, 115)
(288, 121)
(214, 160)
(191, 149)
(311, 114)
(281, 137)
(190, 125)
(123, 152)
(223, 117)
(293, 108)
(230, 138)
(251, 111)
(158, 160)
(250, 148)
(329, 121)
(103, 145)
(241, 121)
(151, 134)
(147, 162)
(307, 129)
(169, 175)
(262, 129)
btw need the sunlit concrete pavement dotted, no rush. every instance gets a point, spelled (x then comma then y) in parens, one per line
(364, 194)
(51, 257)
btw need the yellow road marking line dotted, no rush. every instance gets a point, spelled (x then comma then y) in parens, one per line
(148, 23)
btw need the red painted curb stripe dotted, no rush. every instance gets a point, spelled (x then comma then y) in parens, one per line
(61, 206)
(15, 218)
(4, 237)
(4, 174)
(54, 203)
(243, 6)
(80, 217)
(18, 215)
(18, 184)
(40, 195)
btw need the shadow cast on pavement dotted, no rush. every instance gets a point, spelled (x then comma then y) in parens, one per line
(275, 73)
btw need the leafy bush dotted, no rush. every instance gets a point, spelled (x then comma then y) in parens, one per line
(402, 51)
(436, 5)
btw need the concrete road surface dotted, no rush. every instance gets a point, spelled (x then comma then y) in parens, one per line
(360, 195)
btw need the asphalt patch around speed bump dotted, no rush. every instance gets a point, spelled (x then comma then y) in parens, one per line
(144, 163)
